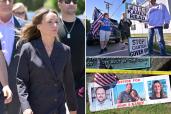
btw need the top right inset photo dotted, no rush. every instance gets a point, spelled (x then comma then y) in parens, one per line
(128, 28)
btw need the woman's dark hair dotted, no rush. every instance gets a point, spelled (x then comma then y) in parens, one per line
(135, 92)
(30, 32)
(161, 92)
(128, 84)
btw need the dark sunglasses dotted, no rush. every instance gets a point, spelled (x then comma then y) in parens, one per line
(20, 13)
(69, 1)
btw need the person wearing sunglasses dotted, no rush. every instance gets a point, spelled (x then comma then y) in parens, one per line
(72, 33)
(69, 1)
(9, 24)
(19, 10)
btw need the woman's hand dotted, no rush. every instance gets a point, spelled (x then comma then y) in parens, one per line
(28, 111)
(7, 94)
(73, 112)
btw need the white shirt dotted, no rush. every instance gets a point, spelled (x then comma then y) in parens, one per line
(97, 106)
(7, 35)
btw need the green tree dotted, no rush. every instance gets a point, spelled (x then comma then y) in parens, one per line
(51, 4)
(32, 5)
(80, 7)
(87, 25)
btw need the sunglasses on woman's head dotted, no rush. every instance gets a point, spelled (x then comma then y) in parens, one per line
(69, 1)
(20, 13)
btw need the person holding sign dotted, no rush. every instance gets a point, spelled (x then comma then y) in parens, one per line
(124, 27)
(157, 17)
(105, 31)
(157, 91)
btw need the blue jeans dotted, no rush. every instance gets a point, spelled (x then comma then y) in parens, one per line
(160, 39)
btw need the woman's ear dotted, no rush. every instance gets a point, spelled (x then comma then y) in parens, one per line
(38, 26)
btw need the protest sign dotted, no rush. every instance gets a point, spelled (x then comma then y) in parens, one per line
(130, 93)
(155, 85)
(101, 98)
(135, 12)
(118, 63)
(138, 46)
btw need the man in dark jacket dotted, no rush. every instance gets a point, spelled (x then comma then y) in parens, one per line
(72, 33)
(124, 27)
(8, 30)
(4, 81)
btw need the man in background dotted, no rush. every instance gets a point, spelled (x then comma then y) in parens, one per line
(72, 33)
(4, 82)
(8, 33)
(124, 27)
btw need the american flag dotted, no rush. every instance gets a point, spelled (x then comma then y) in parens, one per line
(105, 79)
(97, 15)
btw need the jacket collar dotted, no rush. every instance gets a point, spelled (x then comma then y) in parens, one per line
(56, 56)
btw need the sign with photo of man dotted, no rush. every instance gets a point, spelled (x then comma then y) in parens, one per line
(130, 93)
(101, 98)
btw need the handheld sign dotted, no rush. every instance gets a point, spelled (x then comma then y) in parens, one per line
(135, 12)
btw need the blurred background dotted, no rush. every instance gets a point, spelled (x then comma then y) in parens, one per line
(33, 5)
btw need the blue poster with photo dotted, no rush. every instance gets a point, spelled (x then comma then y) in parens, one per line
(157, 89)
(129, 92)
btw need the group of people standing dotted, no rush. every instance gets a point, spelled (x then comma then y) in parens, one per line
(41, 63)
(106, 29)
(155, 26)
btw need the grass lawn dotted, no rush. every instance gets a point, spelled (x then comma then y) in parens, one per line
(168, 48)
(167, 37)
(146, 109)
